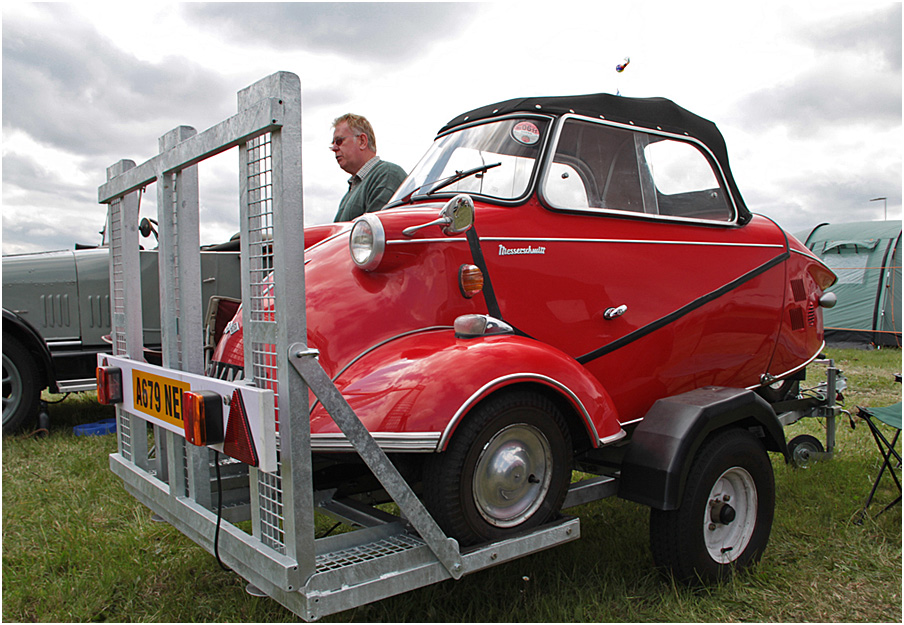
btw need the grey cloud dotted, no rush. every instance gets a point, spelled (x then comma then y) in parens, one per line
(369, 31)
(830, 197)
(878, 34)
(67, 86)
(856, 81)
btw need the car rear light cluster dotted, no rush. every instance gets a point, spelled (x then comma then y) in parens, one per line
(109, 385)
(203, 424)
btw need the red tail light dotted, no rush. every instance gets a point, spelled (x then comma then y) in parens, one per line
(202, 417)
(109, 385)
(238, 442)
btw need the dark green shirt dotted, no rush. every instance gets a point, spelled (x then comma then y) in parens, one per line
(370, 189)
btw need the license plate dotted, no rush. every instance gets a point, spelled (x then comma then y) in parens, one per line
(158, 396)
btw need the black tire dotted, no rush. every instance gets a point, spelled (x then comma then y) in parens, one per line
(723, 522)
(21, 392)
(779, 391)
(803, 450)
(521, 446)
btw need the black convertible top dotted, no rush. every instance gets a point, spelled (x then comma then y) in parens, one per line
(651, 113)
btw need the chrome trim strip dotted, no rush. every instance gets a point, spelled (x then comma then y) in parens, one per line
(794, 370)
(77, 386)
(468, 403)
(608, 440)
(570, 240)
(388, 441)
(64, 343)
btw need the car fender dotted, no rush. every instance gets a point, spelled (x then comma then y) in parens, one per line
(662, 448)
(32, 340)
(411, 392)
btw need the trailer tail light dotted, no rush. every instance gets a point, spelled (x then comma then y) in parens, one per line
(470, 280)
(109, 385)
(202, 417)
(238, 442)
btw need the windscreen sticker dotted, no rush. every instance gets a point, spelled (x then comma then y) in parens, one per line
(526, 133)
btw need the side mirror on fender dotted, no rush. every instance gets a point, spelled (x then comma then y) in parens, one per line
(456, 216)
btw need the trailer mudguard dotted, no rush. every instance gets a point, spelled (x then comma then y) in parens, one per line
(663, 445)
(412, 392)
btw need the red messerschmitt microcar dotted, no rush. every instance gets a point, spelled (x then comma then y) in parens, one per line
(592, 255)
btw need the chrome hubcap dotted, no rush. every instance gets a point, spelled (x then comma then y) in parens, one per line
(730, 515)
(512, 475)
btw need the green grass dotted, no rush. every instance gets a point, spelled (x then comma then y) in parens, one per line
(77, 547)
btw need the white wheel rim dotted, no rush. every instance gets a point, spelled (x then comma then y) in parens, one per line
(727, 539)
(512, 475)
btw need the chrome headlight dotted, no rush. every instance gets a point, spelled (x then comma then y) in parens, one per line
(367, 242)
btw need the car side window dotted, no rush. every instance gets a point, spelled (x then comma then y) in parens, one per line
(599, 166)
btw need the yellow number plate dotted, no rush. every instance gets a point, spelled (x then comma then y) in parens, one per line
(158, 396)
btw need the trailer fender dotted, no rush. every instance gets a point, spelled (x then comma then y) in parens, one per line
(663, 445)
(412, 392)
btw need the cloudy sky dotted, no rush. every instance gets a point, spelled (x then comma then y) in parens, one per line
(807, 94)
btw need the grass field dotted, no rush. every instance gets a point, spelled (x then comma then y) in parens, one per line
(76, 547)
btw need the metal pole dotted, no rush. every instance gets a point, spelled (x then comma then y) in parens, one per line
(884, 202)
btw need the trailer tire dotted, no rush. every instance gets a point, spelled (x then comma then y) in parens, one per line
(506, 469)
(723, 522)
(20, 385)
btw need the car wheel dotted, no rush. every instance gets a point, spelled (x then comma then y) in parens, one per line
(20, 385)
(506, 469)
(725, 515)
(803, 450)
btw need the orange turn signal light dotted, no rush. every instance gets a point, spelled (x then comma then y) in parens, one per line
(470, 280)
(202, 417)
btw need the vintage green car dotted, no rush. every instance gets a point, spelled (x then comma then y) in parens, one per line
(56, 315)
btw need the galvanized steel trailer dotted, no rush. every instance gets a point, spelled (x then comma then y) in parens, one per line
(260, 469)
(281, 556)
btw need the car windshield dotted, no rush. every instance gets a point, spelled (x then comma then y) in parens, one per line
(495, 159)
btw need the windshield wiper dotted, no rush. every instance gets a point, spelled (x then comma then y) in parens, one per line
(441, 184)
(460, 175)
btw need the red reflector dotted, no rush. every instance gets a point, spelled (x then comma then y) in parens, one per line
(109, 385)
(238, 443)
(202, 417)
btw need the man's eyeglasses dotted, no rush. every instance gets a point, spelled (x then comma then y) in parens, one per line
(337, 141)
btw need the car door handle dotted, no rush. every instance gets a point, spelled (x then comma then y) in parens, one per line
(615, 311)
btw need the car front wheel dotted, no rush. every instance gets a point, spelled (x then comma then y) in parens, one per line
(506, 469)
(20, 385)
(725, 515)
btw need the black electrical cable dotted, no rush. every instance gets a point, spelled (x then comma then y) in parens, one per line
(216, 535)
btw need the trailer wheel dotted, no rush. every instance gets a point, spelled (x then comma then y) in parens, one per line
(506, 469)
(20, 392)
(803, 450)
(725, 515)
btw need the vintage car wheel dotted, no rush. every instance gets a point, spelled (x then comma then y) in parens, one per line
(20, 392)
(506, 469)
(803, 450)
(725, 516)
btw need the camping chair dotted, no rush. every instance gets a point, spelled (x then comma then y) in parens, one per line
(891, 459)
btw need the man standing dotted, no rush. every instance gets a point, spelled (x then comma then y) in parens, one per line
(373, 181)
